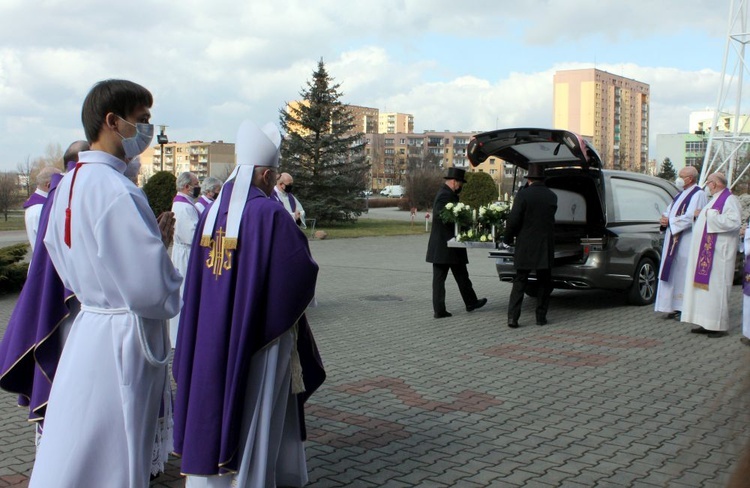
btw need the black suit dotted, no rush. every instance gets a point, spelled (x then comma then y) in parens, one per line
(532, 222)
(444, 258)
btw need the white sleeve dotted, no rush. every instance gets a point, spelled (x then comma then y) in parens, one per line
(31, 219)
(186, 220)
(136, 259)
(729, 220)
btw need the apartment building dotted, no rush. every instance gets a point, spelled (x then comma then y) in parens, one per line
(394, 123)
(365, 119)
(202, 158)
(609, 110)
(391, 155)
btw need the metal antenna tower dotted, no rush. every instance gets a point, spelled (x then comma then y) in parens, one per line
(724, 146)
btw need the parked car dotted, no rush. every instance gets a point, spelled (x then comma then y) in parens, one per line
(607, 222)
(394, 191)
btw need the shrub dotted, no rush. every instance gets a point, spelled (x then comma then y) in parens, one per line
(13, 270)
(385, 202)
(480, 189)
(160, 190)
(422, 184)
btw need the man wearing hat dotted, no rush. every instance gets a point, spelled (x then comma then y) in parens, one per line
(532, 222)
(444, 258)
(245, 359)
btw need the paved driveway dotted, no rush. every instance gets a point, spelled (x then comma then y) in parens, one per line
(605, 395)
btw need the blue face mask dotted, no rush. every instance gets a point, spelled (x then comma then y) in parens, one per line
(134, 146)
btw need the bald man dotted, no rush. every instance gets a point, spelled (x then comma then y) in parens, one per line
(677, 223)
(33, 206)
(710, 264)
(283, 193)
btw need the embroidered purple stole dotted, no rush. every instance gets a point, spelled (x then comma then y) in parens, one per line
(708, 246)
(675, 240)
(292, 203)
(746, 277)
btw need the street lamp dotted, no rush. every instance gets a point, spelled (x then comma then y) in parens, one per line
(162, 139)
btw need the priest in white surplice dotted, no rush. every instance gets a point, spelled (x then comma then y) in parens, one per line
(679, 231)
(110, 251)
(283, 193)
(186, 219)
(710, 267)
(210, 188)
(33, 206)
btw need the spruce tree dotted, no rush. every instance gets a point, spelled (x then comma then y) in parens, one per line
(322, 153)
(667, 170)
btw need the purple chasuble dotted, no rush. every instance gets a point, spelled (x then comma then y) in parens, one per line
(236, 302)
(35, 199)
(31, 346)
(708, 246)
(674, 242)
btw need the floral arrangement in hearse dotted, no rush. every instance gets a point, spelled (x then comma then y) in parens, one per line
(460, 214)
(485, 224)
(493, 217)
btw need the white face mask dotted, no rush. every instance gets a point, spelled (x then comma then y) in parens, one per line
(679, 183)
(134, 146)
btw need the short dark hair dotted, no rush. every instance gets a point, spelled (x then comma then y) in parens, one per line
(120, 97)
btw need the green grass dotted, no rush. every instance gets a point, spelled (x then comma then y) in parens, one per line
(362, 228)
(371, 228)
(14, 222)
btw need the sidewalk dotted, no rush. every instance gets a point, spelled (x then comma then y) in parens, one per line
(605, 395)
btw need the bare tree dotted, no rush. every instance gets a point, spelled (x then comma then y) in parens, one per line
(24, 175)
(9, 194)
(53, 156)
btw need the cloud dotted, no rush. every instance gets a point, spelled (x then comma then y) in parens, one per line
(212, 64)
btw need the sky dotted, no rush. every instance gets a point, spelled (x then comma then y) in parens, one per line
(458, 66)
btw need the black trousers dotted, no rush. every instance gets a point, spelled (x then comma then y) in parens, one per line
(544, 281)
(461, 275)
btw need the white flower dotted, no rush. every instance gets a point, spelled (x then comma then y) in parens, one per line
(449, 205)
(470, 233)
(483, 239)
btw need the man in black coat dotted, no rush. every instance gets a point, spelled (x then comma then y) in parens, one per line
(532, 223)
(444, 258)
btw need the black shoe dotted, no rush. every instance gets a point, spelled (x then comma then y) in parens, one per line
(715, 334)
(745, 341)
(541, 321)
(699, 330)
(478, 304)
(513, 324)
(676, 315)
(440, 315)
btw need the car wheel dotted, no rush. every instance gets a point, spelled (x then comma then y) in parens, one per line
(643, 291)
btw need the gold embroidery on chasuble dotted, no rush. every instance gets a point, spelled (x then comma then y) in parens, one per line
(220, 254)
(704, 261)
